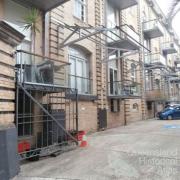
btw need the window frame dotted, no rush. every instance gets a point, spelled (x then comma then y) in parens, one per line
(76, 55)
(80, 10)
(133, 73)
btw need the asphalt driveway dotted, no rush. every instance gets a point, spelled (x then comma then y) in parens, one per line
(146, 150)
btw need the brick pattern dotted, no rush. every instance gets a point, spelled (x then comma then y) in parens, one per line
(64, 14)
(7, 84)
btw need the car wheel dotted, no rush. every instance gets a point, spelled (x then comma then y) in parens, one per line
(169, 117)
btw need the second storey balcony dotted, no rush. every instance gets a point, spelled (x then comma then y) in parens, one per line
(123, 4)
(177, 59)
(154, 59)
(156, 95)
(124, 37)
(45, 5)
(124, 89)
(169, 47)
(36, 70)
(152, 29)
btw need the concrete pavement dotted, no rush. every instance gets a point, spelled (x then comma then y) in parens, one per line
(146, 150)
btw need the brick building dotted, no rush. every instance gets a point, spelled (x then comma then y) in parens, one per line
(121, 56)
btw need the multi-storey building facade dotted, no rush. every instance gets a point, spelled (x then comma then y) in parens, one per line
(161, 78)
(120, 55)
(23, 63)
(109, 85)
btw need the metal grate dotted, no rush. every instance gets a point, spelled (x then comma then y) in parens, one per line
(46, 120)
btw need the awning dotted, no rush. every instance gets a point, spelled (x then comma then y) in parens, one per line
(43, 5)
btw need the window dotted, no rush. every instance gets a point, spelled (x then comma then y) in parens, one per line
(115, 107)
(135, 107)
(80, 9)
(133, 72)
(79, 70)
(144, 16)
(113, 75)
(149, 105)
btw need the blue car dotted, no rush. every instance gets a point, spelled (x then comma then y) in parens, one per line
(170, 113)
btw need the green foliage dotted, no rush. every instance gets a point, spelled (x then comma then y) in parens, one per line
(31, 20)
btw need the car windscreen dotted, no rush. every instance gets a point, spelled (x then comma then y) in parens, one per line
(167, 109)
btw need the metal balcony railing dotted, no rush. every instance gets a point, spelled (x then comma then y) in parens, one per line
(156, 94)
(169, 47)
(152, 29)
(37, 69)
(124, 89)
(124, 37)
(82, 84)
(176, 58)
(129, 33)
(154, 58)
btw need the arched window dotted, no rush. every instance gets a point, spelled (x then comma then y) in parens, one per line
(79, 69)
(135, 107)
(133, 72)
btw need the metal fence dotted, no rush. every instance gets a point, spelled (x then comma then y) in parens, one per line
(124, 88)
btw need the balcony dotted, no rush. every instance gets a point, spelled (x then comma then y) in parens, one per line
(82, 84)
(152, 29)
(177, 59)
(45, 6)
(154, 59)
(123, 4)
(37, 70)
(178, 66)
(156, 95)
(124, 89)
(169, 48)
(124, 37)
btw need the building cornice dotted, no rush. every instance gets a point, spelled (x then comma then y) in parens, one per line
(10, 35)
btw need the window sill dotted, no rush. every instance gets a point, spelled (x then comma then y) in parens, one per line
(79, 21)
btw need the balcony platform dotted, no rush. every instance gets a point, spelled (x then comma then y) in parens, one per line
(152, 29)
(169, 48)
(123, 4)
(124, 90)
(123, 97)
(154, 59)
(45, 5)
(156, 95)
(44, 87)
(125, 44)
(124, 37)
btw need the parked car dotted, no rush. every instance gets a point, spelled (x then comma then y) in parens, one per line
(166, 108)
(170, 113)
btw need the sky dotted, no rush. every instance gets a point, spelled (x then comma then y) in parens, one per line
(164, 5)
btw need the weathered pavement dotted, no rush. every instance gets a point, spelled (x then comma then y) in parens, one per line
(146, 150)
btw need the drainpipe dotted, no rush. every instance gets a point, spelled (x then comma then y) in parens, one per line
(46, 22)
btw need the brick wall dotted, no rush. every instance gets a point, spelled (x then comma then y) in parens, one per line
(7, 84)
